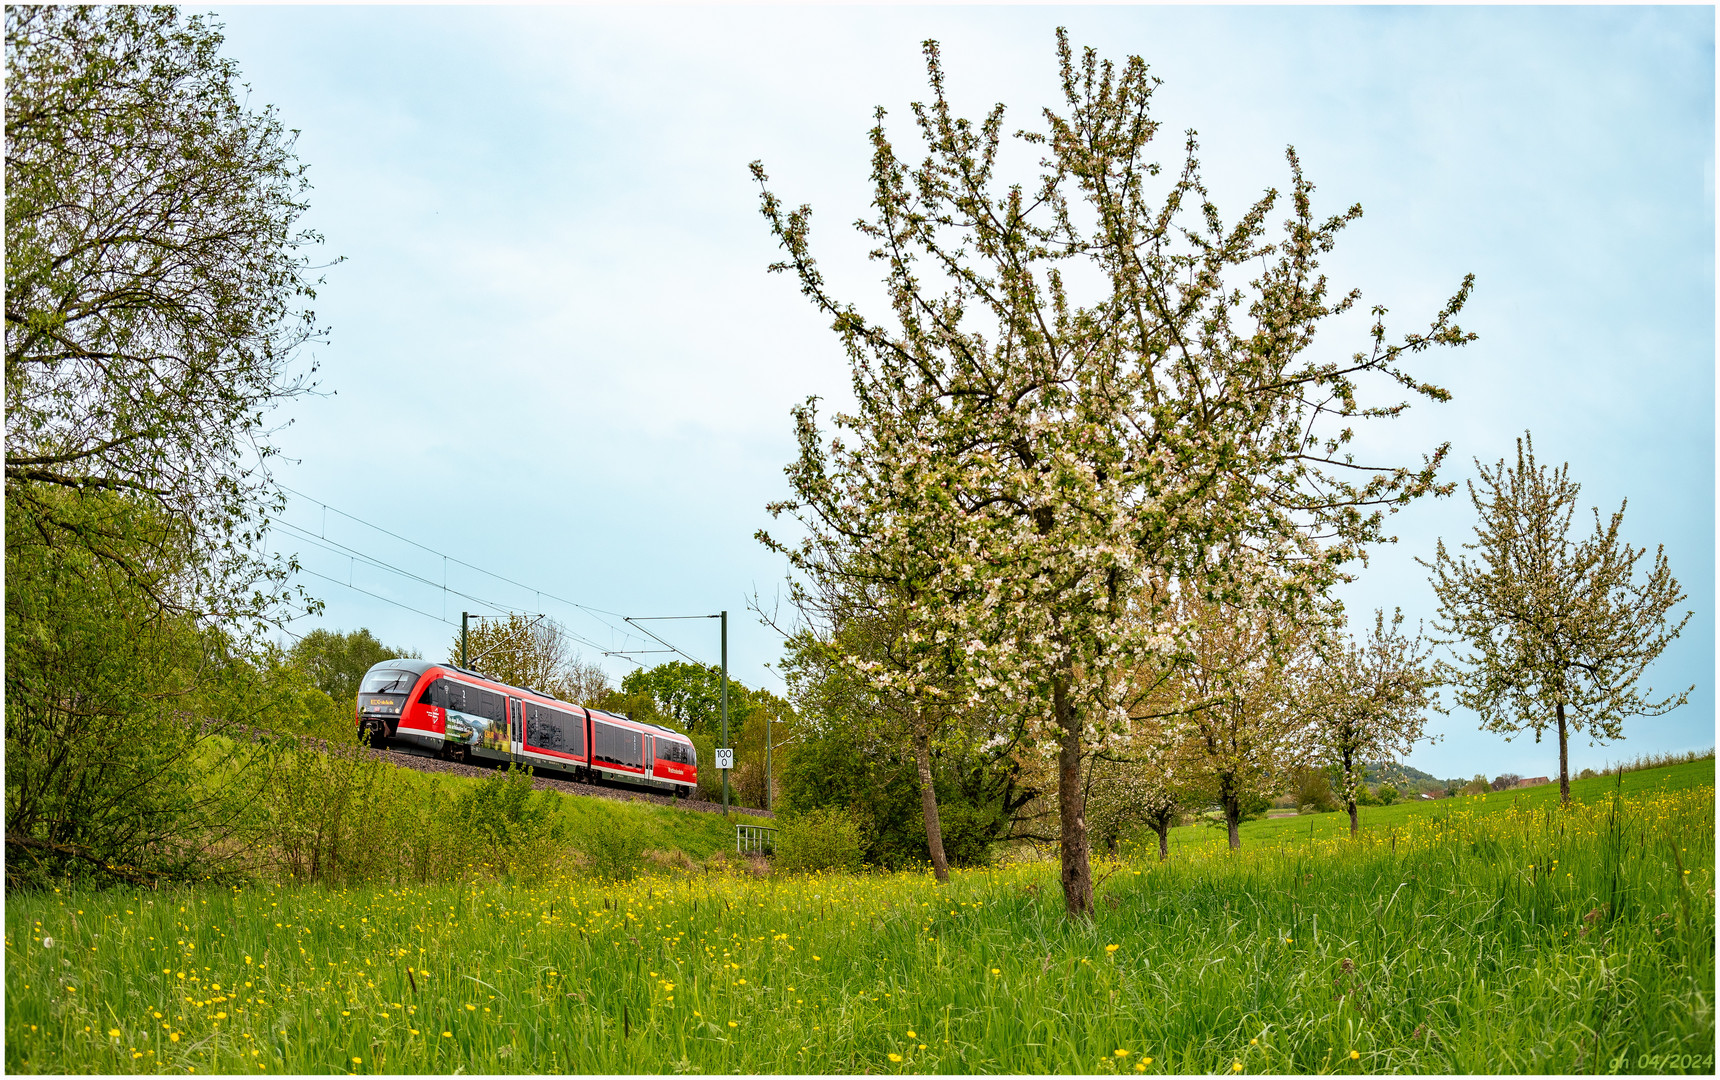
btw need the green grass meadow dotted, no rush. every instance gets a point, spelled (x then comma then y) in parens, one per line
(1471, 935)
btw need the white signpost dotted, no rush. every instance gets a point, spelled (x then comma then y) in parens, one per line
(725, 757)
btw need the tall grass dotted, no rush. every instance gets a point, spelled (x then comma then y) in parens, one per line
(1516, 940)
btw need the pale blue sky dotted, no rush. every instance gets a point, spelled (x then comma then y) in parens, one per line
(554, 304)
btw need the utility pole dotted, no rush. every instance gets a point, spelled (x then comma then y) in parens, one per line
(725, 708)
(463, 617)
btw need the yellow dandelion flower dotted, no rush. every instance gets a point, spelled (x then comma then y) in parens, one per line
(113, 1033)
(1354, 1054)
(447, 1034)
(1121, 1053)
(1111, 948)
(1236, 1066)
(173, 1036)
(896, 1057)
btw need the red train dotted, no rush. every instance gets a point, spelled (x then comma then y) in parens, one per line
(453, 712)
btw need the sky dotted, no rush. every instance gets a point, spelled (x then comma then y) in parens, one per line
(558, 375)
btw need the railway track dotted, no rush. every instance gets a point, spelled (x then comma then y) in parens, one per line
(568, 787)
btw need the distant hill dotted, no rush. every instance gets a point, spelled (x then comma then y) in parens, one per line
(1392, 770)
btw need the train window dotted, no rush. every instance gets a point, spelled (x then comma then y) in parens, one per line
(615, 746)
(552, 729)
(680, 753)
(388, 681)
(490, 706)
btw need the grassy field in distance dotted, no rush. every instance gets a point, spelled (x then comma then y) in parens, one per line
(1685, 777)
(1496, 938)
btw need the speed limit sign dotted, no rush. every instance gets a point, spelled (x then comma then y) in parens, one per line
(725, 757)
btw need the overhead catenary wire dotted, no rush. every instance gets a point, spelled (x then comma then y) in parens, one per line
(470, 566)
(673, 648)
(371, 560)
(595, 613)
(350, 552)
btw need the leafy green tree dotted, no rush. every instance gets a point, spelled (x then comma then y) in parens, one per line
(689, 695)
(115, 767)
(849, 767)
(155, 292)
(1555, 630)
(155, 303)
(336, 662)
(1312, 788)
(1086, 381)
(852, 655)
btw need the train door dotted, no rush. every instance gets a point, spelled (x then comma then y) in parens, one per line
(516, 727)
(650, 755)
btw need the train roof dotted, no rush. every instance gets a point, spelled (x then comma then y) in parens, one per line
(640, 723)
(405, 663)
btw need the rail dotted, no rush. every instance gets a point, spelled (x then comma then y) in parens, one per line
(754, 839)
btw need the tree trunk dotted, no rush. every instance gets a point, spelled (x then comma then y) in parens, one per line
(1351, 803)
(1164, 831)
(1071, 808)
(928, 796)
(1564, 762)
(1230, 801)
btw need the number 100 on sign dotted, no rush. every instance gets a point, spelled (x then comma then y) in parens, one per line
(725, 757)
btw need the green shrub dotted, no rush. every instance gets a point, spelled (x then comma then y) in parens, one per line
(825, 838)
(613, 849)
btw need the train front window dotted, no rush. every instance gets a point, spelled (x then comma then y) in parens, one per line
(388, 681)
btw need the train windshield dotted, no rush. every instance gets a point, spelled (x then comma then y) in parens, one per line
(388, 681)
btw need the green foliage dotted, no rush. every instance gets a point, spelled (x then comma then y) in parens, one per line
(338, 814)
(838, 770)
(1312, 790)
(1386, 794)
(824, 838)
(155, 295)
(688, 698)
(612, 848)
(155, 300)
(516, 831)
(688, 695)
(335, 663)
(111, 705)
